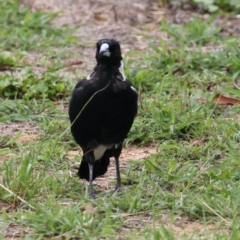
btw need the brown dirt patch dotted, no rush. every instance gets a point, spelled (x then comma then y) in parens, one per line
(12, 128)
(181, 226)
(5, 157)
(28, 138)
(136, 153)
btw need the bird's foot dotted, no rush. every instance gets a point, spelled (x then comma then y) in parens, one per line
(92, 195)
(91, 192)
(117, 190)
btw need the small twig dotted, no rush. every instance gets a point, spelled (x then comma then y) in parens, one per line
(235, 84)
(223, 219)
(115, 13)
(130, 214)
(19, 198)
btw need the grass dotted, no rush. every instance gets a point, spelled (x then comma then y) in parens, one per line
(188, 190)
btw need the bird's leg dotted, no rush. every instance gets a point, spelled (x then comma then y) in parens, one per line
(91, 192)
(118, 185)
(89, 158)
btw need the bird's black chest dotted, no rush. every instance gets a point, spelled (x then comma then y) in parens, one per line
(110, 103)
(108, 114)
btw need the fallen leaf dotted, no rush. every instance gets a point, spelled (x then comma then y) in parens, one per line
(221, 99)
(197, 142)
(200, 100)
(99, 17)
(161, 4)
(89, 208)
(72, 63)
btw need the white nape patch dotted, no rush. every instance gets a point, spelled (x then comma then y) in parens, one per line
(99, 151)
(90, 76)
(121, 70)
(134, 89)
(105, 48)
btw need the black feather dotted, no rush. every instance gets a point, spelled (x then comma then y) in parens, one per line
(99, 169)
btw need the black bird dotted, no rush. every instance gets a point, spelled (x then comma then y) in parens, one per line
(101, 111)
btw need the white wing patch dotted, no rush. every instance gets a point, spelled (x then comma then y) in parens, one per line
(121, 70)
(90, 76)
(99, 151)
(134, 89)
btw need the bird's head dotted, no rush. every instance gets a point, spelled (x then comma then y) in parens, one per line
(108, 52)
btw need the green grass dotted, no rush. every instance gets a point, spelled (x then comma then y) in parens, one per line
(193, 180)
(208, 5)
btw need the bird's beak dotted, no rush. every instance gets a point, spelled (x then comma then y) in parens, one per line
(104, 50)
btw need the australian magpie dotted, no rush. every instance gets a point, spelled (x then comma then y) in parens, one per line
(101, 111)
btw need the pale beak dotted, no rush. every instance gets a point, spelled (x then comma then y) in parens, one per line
(104, 50)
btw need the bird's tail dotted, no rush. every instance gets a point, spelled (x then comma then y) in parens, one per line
(100, 168)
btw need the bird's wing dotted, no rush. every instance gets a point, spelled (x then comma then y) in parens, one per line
(83, 92)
